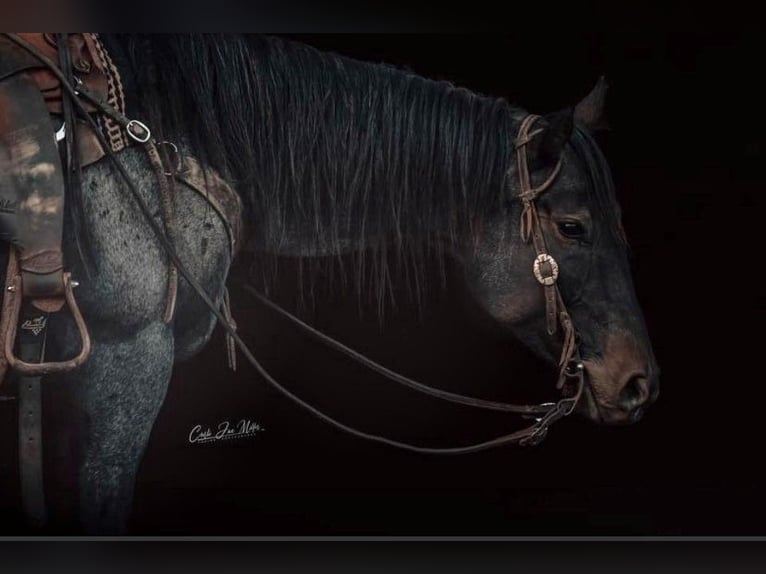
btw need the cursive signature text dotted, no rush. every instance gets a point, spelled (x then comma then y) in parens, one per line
(224, 431)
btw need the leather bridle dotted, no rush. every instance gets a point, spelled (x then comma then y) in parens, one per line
(571, 372)
(545, 269)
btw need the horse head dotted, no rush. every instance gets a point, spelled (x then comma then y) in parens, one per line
(579, 220)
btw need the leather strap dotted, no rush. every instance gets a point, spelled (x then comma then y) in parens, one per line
(32, 334)
(80, 50)
(545, 267)
(231, 346)
(524, 410)
(166, 182)
(530, 221)
(87, 60)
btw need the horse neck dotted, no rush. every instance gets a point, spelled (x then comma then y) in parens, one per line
(348, 153)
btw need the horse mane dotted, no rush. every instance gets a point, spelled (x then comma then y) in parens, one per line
(346, 150)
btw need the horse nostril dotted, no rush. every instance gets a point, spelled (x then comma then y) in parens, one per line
(635, 392)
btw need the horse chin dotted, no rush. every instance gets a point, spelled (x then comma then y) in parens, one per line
(587, 407)
(600, 414)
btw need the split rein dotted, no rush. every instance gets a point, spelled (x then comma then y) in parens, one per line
(571, 373)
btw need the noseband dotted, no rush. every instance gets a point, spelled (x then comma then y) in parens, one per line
(545, 269)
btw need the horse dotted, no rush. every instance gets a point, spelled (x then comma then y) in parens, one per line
(330, 157)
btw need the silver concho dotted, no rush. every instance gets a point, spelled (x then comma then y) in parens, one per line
(545, 258)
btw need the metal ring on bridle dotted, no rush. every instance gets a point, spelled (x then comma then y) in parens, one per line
(574, 368)
(179, 163)
(537, 268)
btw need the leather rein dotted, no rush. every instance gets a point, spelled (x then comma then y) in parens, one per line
(571, 372)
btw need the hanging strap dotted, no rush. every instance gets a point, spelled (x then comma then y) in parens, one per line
(33, 328)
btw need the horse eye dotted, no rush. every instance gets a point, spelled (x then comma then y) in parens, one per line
(572, 229)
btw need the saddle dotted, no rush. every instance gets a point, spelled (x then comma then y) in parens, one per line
(32, 190)
(32, 180)
(37, 159)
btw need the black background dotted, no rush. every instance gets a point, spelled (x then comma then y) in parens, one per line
(686, 153)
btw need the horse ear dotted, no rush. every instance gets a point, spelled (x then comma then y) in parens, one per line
(557, 129)
(590, 112)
